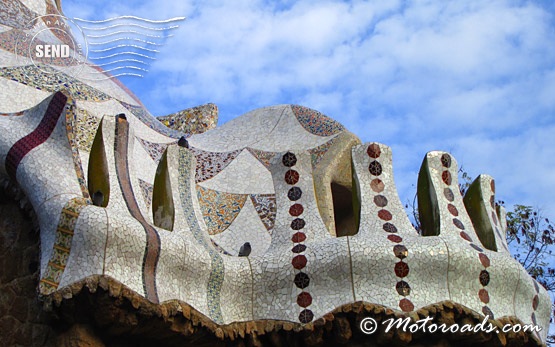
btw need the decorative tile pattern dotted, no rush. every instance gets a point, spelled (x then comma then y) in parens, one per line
(265, 205)
(299, 261)
(484, 276)
(51, 81)
(73, 144)
(296, 271)
(152, 249)
(262, 156)
(146, 189)
(401, 252)
(317, 153)
(315, 122)
(62, 247)
(22, 147)
(209, 164)
(216, 278)
(84, 128)
(16, 15)
(219, 209)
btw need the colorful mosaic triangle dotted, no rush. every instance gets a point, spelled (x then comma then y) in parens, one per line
(209, 164)
(219, 209)
(262, 156)
(317, 153)
(265, 205)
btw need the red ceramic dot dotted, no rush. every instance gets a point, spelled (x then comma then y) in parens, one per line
(448, 193)
(374, 151)
(453, 210)
(385, 215)
(304, 299)
(401, 269)
(400, 251)
(306, 316)
(487, 312)
(484, 296)
(446, 160)
(395, 238)
(458, 223)
(375, 168)
(406, 305)
(298, 237)
(298, 224)
(291, 177)
(465, 236)
(296, 210)
(484, 260)
(484, 278)
(299, 262)
(446, 177)
(377, 185)
(390, 228)
(380, 200)
(289, 159)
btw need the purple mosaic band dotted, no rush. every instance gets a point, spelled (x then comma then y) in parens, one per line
(152, 251)
(38, 136)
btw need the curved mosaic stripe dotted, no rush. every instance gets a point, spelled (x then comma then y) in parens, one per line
(62, 246)
(216, 277)
(401, 252)
(38, 136)
(152, 251)
(484, 276)
(52, 80)
(73, 144)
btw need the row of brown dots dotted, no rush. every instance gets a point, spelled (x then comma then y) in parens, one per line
(400, 251)
(302, 280)
(484, 276)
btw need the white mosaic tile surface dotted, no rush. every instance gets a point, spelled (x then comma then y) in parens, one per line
(251, 180)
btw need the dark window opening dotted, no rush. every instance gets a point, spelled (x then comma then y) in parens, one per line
(343, 211)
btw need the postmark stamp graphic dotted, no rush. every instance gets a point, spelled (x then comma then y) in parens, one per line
(53, 43)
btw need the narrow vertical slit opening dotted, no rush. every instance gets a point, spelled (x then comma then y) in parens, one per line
(163, 211)
(98, 178)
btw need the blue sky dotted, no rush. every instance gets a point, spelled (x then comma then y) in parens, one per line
(475, 78)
